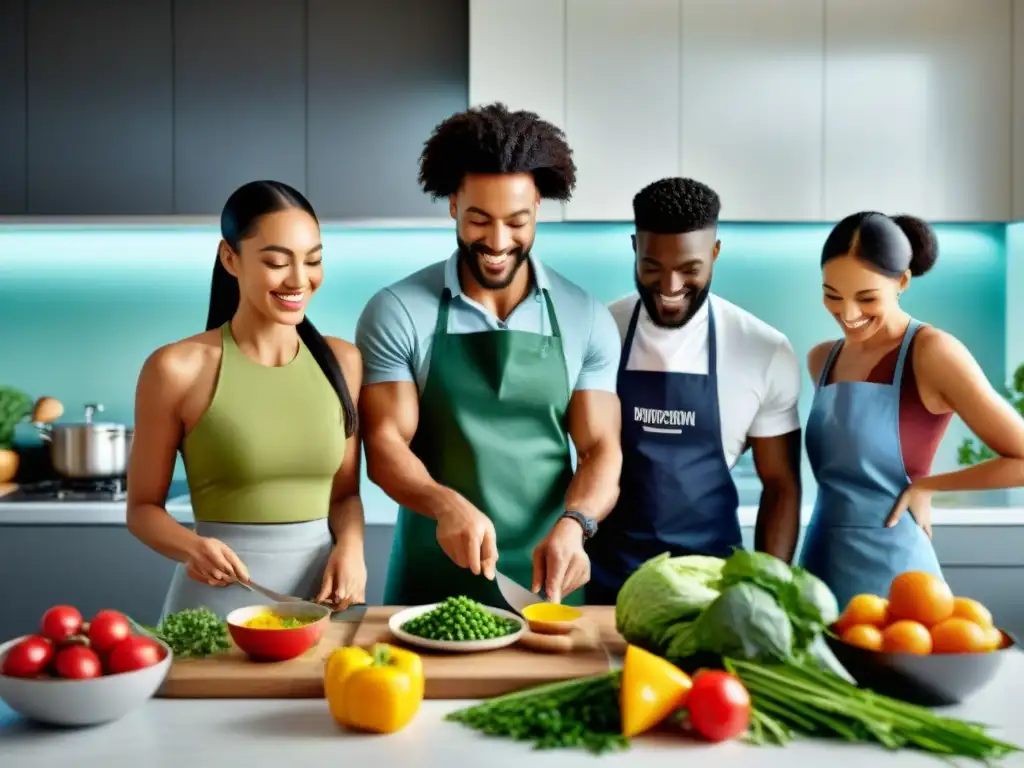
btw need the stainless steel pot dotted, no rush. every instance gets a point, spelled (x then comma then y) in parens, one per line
(88, 451)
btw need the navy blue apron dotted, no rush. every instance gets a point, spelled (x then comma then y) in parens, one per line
(676, 492)
(853, 443)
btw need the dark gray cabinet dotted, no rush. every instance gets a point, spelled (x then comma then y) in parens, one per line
(12, 108)
(381, 75)
(100, 107)
(239, 98)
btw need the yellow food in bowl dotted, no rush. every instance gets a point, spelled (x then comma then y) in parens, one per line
(273, 621)
(550, 612)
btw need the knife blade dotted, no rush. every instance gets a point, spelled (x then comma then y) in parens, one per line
(516, 596)
(351, 615)
(277, 597)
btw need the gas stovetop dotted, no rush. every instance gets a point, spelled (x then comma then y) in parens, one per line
(69, 490)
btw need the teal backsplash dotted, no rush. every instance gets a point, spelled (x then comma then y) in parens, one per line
(82, 307)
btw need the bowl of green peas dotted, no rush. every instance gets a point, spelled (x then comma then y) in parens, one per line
(457, 625)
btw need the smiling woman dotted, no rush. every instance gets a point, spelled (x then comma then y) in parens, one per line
(260, 407)
(885, 395)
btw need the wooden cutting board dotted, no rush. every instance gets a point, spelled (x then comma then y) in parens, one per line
(481, 675)
(233, 675)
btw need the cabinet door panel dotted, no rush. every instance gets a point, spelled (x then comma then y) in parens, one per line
(918, 108)
(100, 116)
(382, 75)
(239, 98)
(622, 101)
(752, 105)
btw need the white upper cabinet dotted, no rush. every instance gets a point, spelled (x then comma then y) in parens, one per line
(752, 105)
(1018, 110)
(918, 108)
(517, 56)
(622, 101)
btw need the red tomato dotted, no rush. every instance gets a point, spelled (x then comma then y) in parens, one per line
(28, 658)
(61, 622)
(107, 629)
(719, 706)
(134, 653)
(76, 662)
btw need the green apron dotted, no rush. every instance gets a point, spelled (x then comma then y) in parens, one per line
(492, 426)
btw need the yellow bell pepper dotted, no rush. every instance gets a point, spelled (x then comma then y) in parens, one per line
(651, 690)
(378, 691)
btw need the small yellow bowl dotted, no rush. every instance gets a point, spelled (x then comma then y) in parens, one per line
(551, 618)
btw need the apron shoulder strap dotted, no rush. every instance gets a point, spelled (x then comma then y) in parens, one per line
(829, 362)
(912, 329)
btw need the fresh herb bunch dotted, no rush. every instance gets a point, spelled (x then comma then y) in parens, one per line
(972, 451)
(581, 713)
(809, 700)
(15, 407)
(194, 632)
(460, 619)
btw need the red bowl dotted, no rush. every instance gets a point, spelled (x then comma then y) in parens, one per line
(278, 644)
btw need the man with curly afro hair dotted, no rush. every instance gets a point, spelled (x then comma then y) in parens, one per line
(701, 380)
(481, 370)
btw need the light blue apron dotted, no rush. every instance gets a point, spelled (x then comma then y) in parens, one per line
(853, 443)
(286, 557)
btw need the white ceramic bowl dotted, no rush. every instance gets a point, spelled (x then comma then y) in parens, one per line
(453, 646)
(81, 702)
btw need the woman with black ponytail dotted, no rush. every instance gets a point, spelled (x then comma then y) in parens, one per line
(263, 410)
(885, 394)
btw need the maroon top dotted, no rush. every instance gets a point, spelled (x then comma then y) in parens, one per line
(921, 431)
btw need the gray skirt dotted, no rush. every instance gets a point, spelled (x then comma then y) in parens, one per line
(289, 558)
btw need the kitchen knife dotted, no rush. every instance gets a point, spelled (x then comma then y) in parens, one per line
(352, 614)
(516, 596)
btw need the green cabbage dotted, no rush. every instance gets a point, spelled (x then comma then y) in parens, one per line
(662, 592)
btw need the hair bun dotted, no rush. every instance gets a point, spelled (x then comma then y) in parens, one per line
(924, 246)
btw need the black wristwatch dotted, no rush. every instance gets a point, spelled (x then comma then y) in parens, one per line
(587, 523)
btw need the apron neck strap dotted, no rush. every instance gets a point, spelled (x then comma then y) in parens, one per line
(555, 330)
(829, 361)
(441, 324)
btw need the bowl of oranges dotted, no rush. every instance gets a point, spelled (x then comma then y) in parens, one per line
(920, 643)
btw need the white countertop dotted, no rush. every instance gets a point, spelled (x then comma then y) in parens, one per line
(968, 512)
(255, 733)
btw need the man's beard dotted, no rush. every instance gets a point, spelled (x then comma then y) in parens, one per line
(647, 297)
(471, 255)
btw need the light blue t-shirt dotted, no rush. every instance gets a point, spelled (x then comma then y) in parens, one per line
(395, 331)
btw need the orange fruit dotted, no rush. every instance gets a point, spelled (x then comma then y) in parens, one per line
(957, 635)
(907, 637)
(995, 638)
(863, 636)
(972, 610)
(921, 597)
(864, 609)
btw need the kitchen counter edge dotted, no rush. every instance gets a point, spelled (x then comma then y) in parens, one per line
(72, 513)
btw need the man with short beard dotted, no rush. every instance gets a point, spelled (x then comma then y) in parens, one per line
(700, 381)
(478, 371)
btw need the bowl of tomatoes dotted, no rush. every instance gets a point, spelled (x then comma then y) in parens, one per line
(920, 643)
(76, 673)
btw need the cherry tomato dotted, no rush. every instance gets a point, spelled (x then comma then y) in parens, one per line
(28, 658)
(61, 622)
(134, 653)
(107, 629)
(719, 706)
(76, 662)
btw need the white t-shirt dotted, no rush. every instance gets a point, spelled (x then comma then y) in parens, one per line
(758, 372)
